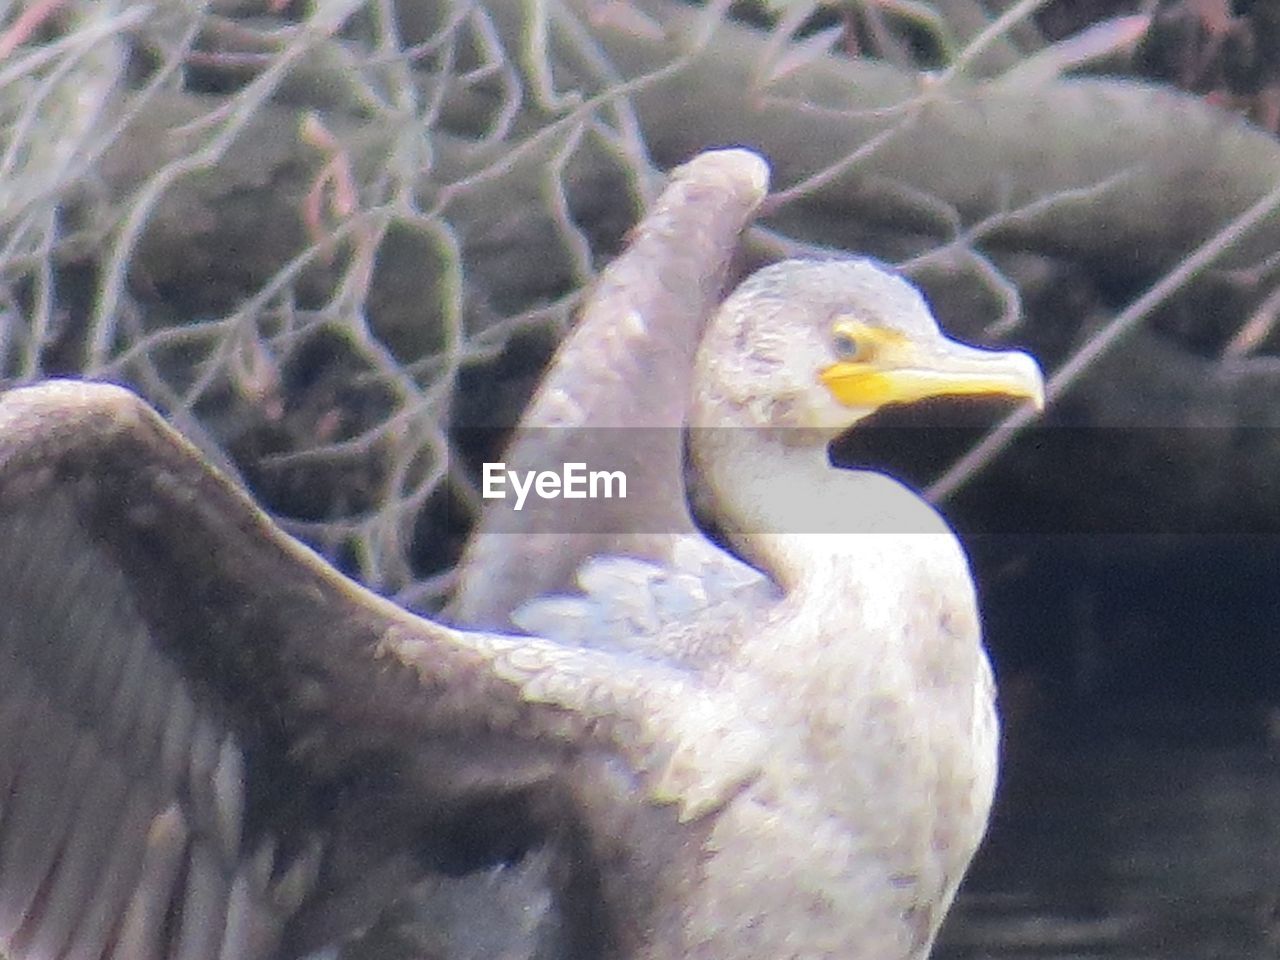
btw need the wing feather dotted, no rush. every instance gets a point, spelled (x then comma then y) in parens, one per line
(278, 751)
(686, 610)
(79, 877)
(206, 889)
(627, 364)
(125, 674)
(142, 927)
(44, 802)
(98, 916)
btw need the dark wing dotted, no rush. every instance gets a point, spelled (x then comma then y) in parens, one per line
(615, 398)
(214, 745)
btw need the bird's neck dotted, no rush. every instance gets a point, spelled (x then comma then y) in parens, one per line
(790, 513)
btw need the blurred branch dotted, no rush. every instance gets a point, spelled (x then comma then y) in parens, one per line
(978, 148)
(1176, 165)
(298, 236)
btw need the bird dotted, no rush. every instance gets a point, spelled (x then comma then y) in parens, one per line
(213, 744)
(852, 629)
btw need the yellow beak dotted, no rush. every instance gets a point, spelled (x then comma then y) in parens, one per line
(913, 371)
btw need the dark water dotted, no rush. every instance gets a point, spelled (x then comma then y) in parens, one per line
(1128, 847)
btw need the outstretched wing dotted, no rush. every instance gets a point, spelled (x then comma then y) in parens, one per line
(214, 745)
(615, 398)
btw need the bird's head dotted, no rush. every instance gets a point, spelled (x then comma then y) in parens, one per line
(819, 345)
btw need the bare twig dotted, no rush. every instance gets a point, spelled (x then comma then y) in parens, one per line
(1105, 340)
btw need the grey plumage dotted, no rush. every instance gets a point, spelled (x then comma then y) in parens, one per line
(802, 775)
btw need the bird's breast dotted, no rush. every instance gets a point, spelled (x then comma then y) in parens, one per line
(880, 708)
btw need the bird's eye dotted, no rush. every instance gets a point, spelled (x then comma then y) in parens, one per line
(846, 345)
